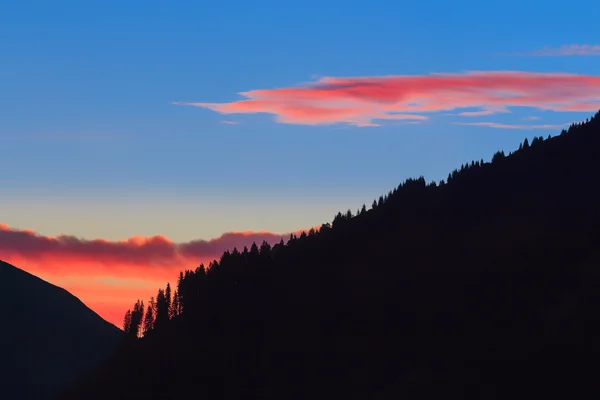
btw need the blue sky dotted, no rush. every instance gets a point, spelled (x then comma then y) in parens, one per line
(93, 146)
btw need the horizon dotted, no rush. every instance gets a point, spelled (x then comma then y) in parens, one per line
(212, 126)
(118, 280)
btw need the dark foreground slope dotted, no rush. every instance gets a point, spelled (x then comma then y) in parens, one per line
(48, 337)
(486, 286)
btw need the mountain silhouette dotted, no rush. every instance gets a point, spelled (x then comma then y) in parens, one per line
(48, 337)
(484, 285)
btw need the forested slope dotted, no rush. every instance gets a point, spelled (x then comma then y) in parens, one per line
(484, 286)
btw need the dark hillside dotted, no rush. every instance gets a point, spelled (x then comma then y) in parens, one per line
(48, 336)
(482, 286)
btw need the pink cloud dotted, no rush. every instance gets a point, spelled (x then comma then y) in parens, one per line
(360, 101)
(511, 126)
(569, 50)
(156, 255)
(531, 118)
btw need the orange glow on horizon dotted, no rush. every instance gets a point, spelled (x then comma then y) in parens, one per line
(110, 276)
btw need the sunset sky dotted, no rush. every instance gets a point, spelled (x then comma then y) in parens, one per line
(154, 135)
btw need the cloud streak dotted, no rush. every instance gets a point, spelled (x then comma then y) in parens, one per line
(475, 113)
(568, 50)
(511, 126)
(361, 101)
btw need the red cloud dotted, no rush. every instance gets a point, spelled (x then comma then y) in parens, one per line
(570, 50)
(360, 100)
(130, 257)
(110, 276)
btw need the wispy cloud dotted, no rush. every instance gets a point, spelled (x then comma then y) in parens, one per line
(531, 118)
(498, 125)
(361, 101)
(229, 122)
(485, 112)
(70, 136)
(475, 113)
(569, 50)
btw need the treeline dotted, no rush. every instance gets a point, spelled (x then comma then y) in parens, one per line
(194, 287)
(479, 286)
(158, 312)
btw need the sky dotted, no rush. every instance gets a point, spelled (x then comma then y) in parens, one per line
(129, 129)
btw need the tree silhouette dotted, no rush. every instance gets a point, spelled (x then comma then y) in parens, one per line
(265, 249)
(127, 321)
(254, 253)
(148, 324)
(498, 156)
(175, 306)
(168, 296)
(399, 302)
(162, 310)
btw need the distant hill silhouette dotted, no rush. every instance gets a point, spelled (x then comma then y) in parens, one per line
(486, 286)
(48, 337)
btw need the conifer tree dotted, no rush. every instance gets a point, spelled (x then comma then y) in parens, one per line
(162, 310)
(265, 249)
(127, 321)
(174, 309)
(168, 294)
(148, 324)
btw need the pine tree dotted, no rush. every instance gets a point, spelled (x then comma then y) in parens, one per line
(265, 249)
(162, 310)
(174, 309)
(254, 251)
(337, 219)
(498, 156)
(149, 318)
(136, 319)
(127, 322)
(168, 293)
(179, 282)
(140, 318)
(152, 305)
